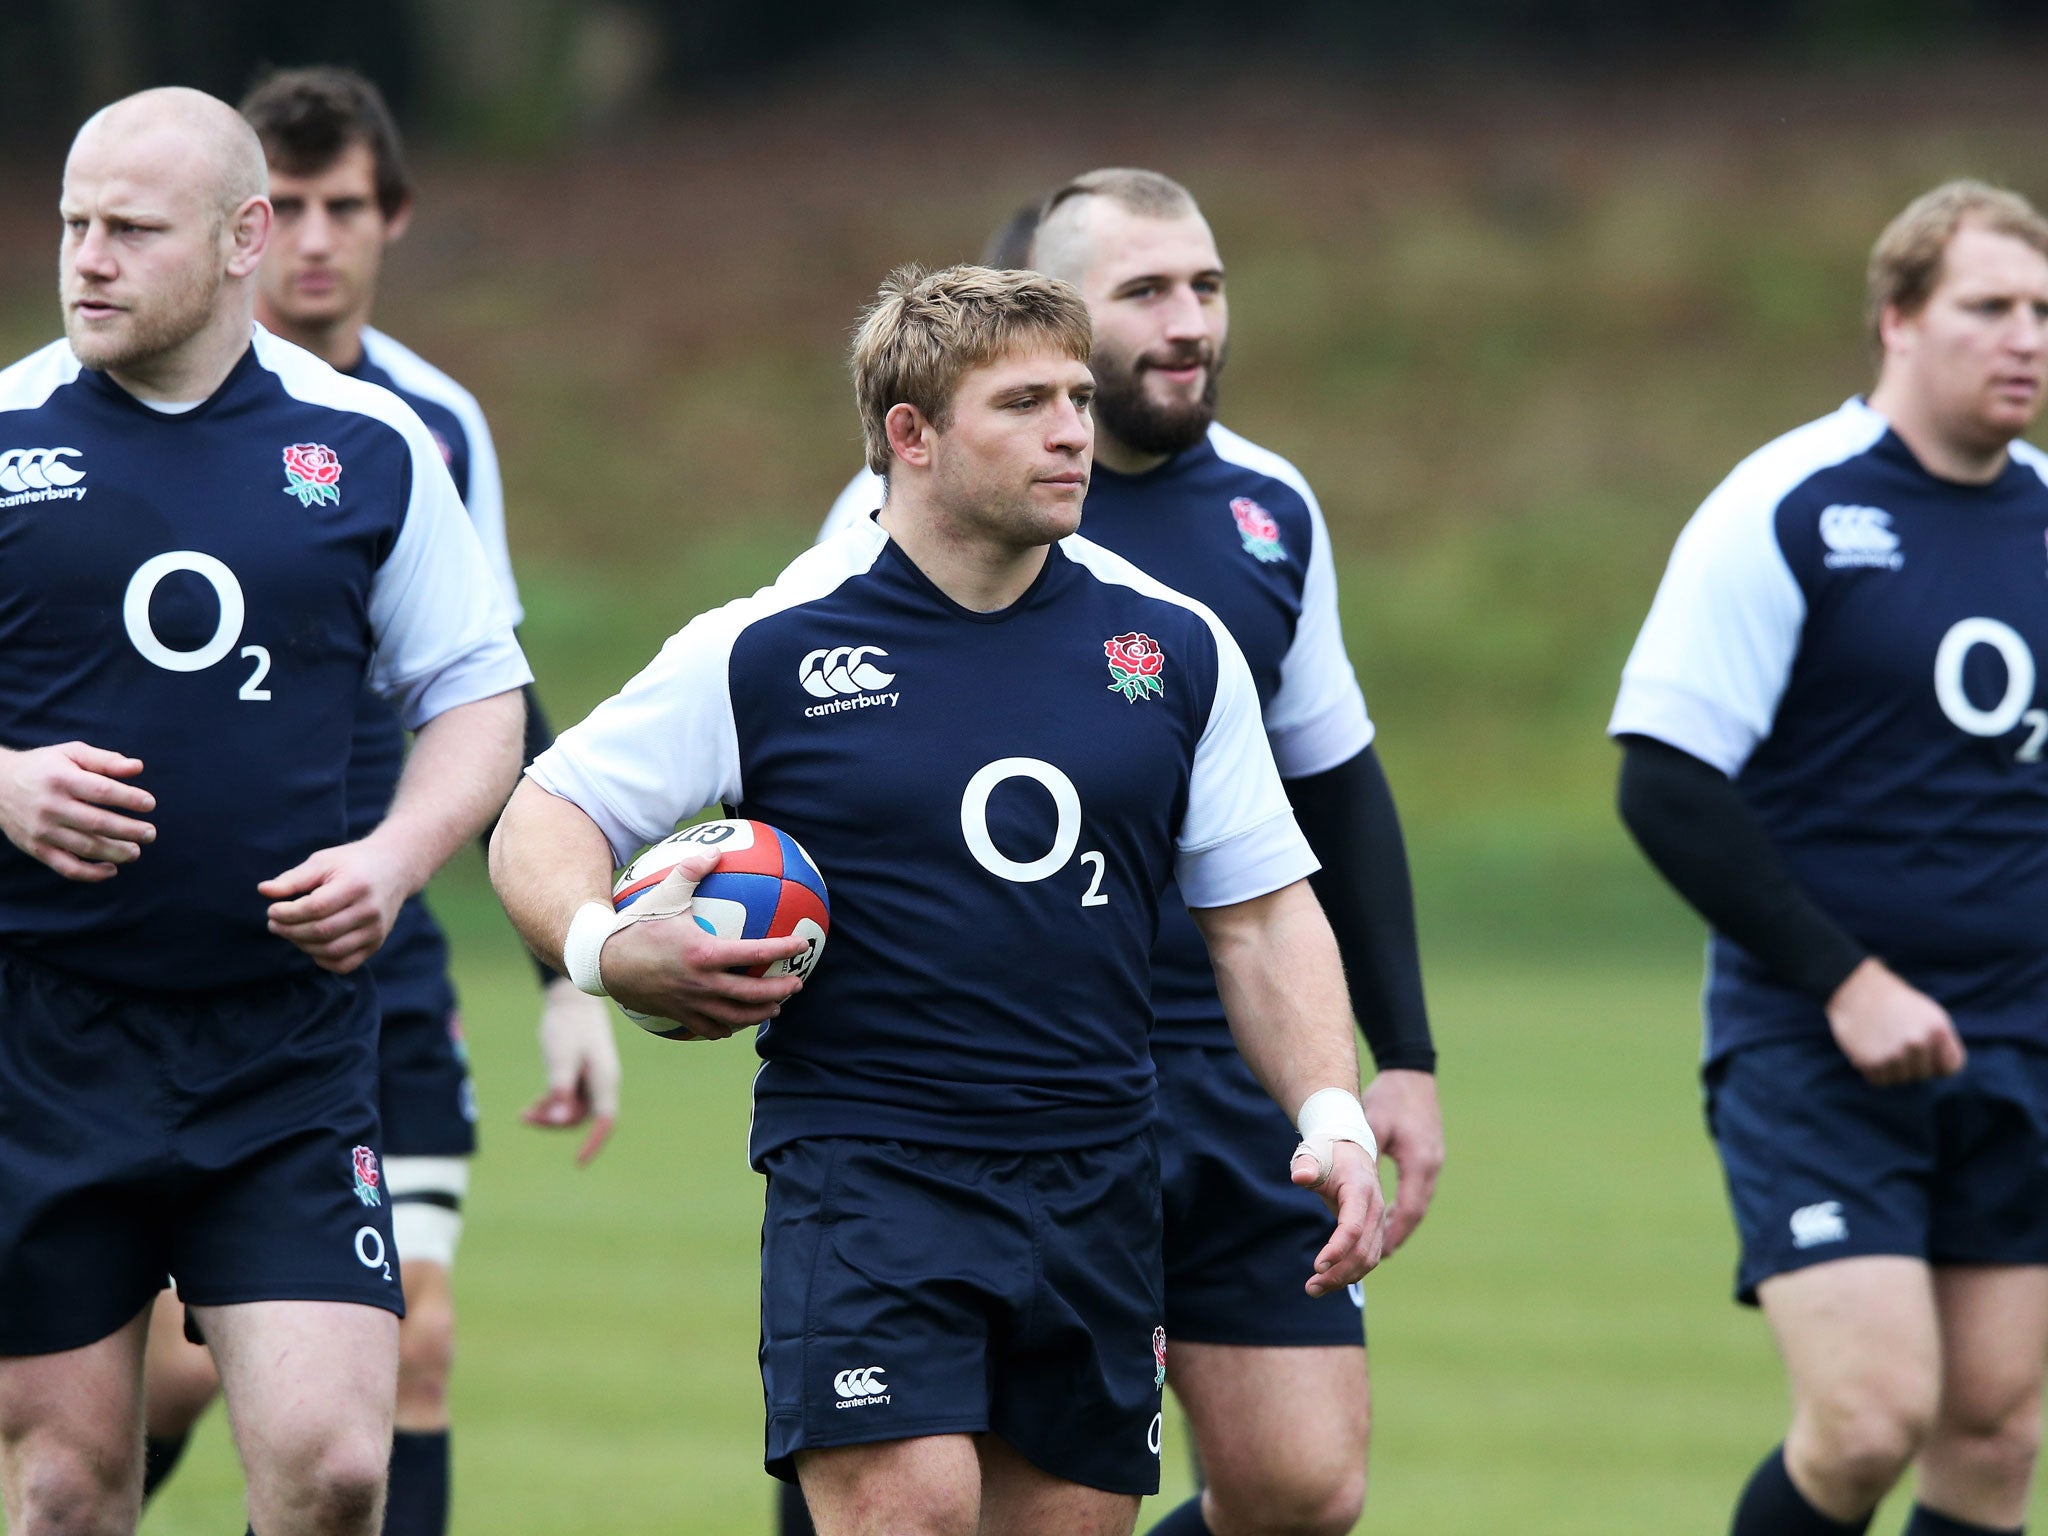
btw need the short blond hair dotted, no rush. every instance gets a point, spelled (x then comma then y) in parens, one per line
(926, 329)
(1905, 264)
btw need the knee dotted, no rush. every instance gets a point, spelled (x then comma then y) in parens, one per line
(1291, 1501)
(1860, 1444)
(426, 1354)
(338, 1489)
(1992, 1443)
(74, 1495)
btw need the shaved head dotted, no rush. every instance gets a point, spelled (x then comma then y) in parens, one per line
(165, 219)
(219, 152)
(1070, 223)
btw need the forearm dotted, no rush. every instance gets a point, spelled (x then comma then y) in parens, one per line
(462, 765)
(1348, 816)
(547, 859)
(1695, 827)
(1282, 986)
(539, 737)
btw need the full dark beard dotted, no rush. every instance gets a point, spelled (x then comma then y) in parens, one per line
(1123, 411)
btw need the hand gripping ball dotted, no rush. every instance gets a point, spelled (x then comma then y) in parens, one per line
(764, 887)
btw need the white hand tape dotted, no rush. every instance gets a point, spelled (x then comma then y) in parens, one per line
(1328, 1116)
(595, 922)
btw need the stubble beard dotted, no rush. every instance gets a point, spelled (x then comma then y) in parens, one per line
(161, 323)
(1128, 414)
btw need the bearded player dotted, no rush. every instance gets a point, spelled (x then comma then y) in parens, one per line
(342, 193)
(1274, 1382)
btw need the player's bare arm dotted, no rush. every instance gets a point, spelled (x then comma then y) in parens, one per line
(339, 904)
(549, 861)
(63, 806)
(1283, 991)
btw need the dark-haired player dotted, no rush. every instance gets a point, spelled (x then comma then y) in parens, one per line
(1833, 731)
(342, 193)
(1274, 1382)
(961, 1306)
(210, 542)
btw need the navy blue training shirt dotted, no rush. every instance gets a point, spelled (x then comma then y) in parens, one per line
(208, 590)
(1856, 643)
(996, 802)
(1237, 528)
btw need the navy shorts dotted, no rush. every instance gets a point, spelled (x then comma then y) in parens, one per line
(1822, 1165)
(424, 1093)
(1241, 1238)
(915, 1290)
(227, 1138)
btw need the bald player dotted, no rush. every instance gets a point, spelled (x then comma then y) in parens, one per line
(212, 542)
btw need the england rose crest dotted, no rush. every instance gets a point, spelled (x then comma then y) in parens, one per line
(1134, 665)
(311, 472)
(1159, 1357)
(1255, 525)
(365, 1162)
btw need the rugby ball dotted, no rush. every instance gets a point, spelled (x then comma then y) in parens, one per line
(764, 887)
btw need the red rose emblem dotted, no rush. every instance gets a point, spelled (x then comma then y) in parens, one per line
(1135, 653)
(1254, 521)
(310, 472)
(1135, 663)
(366, 1166)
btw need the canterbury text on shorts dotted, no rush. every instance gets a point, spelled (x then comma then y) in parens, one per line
(1241, 1238)
(229, 1138)
(912, 1290)
(1823, 1165)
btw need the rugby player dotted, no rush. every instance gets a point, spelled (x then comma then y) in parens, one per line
(217, 542)
(961, 1292)
(342, 193)
(1832, 740)
(1274, 1382)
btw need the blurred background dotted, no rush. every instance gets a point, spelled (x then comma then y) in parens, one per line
(1514, 282)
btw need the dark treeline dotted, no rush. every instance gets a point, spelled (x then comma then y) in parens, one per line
(531, 70)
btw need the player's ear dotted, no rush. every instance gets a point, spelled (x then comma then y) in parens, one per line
(248, 232)
(910, 434)
(1895, 327)
(400, 221)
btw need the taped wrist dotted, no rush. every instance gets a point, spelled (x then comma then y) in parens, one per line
(594, 922)
(1328, 1116)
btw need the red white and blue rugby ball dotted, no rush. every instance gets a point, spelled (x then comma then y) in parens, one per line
(765, 887)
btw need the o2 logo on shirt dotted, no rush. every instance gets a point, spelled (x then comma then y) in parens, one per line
(1964, 636)
(135, 615)
(1066, 835)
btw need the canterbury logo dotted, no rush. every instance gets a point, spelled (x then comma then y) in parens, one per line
(38, 469)
(862, 1381)
(843, 669)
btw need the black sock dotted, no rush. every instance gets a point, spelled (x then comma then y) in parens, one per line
(160, 1454)
(417, 1504)
(793, 1515)
(1926, 1522)
(1772, 1506)
(1185, 1521)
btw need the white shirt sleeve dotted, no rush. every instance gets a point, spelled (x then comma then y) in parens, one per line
(442, 635)
(864, 492)
(661, 749)
(1317, 718)
(1238, 839)
(1714, 656)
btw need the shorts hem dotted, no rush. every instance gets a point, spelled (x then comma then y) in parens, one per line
(784, 1465)
(394, 1302)
(1354, 1339)
(1746, 1284)
(1142, 1488)
(14, 1345)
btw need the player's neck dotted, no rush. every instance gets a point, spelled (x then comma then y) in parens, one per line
(1113, 453)
(339, 345)
(193, 369)
(979, 573)
(1940, 452)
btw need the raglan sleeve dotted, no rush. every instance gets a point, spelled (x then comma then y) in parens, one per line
(661, 749)
(1238, 839)
(1317, 718)
(1712, 660)
(440, 632)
